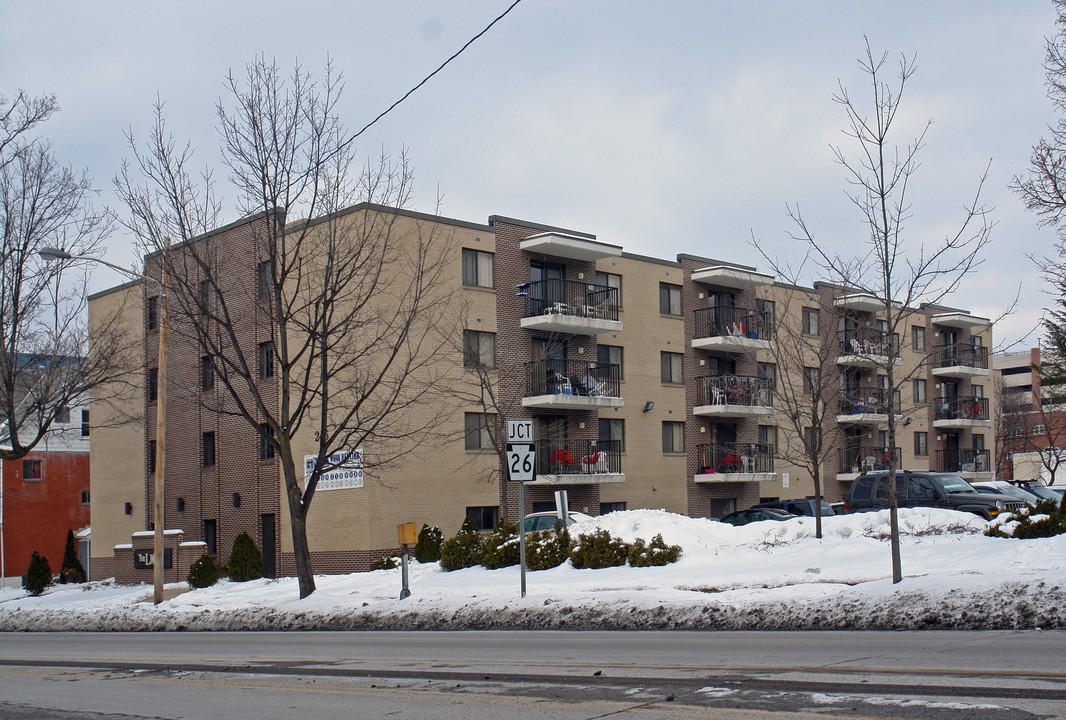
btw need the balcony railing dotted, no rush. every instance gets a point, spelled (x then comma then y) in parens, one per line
(579, 457)
(962, 407)
(963, 460)
(738, 390)
(865, 459)
(734, 321)
(962, 355)
(573, 377)
(867, 401)
(867, 342)
(556, 296)
(735, 458)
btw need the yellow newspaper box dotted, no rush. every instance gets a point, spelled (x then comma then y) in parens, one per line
(408, 533)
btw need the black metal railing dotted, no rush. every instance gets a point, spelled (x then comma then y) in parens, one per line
(867, 342)
(961, 354)
(963, 460)
(735, 321)
(735, 458)
(579, 457)
(556, 296)
(738, 390)
(573, 377)
(867, 401)
(865, 459)
(962, 407)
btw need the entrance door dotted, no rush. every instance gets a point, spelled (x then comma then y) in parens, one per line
(270, 567)
(546, 286)
(951, 452)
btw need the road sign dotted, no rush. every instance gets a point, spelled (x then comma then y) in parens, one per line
(521, 462)
(519, 431)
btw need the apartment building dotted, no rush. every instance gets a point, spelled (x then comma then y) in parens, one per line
(651, 383)
(1030, 424)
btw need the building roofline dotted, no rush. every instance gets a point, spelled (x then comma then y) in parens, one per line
(117, 288)
(648, 258)
(713, 262)
(493, 219)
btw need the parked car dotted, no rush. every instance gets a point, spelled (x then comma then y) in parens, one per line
(918, 488)
(1044, 492)
(803, 506)
(1002, 487)
(756, 514)
(547, 520)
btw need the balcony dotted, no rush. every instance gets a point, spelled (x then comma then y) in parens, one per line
(732, 330)
(971, 464)
(867, 348)
(865, 406)
(961, 411)
(959, 360)
(572, 384)
(733, 396)
(570, 306)
(734, 462)
(579, 462)
(854, 461)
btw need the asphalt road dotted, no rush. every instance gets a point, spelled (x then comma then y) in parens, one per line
(86, 676)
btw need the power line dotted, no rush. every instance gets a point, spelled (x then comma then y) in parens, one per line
(427, 78)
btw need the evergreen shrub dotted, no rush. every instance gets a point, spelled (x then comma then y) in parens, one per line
(203, 573)
(1051, 521)
(463, 550)
(71, 571)
(245, 561)
(598, 550)
(657, 552)
(385, 562)
(39, 574)
(546, 549)
(502, 548)
(427, 549)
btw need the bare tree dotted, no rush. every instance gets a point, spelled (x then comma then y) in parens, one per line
(901, 273)
(46, 361)
(354, 295)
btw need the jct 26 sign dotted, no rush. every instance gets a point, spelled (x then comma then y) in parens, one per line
(347, 471)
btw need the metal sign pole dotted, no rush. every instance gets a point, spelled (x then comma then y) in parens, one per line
(522, 533)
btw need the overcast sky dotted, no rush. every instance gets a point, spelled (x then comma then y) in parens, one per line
(664, 127)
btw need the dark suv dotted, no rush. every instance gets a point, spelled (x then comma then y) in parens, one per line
(798, 507)
(918, 488)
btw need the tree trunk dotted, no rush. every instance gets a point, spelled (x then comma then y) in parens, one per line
(298, 518)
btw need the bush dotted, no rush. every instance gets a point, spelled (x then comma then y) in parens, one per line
(546, 549)
(39, 574)
(502, 548)
(598, 550)
(463, 550)
(71, 571)
(203, 573)
(427, 550)
(656, 552)
(385, 562)
(1051, 521)
(245, 562)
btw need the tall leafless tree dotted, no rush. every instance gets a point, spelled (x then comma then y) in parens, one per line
(355, 297)
(47, 362)
(901, 272)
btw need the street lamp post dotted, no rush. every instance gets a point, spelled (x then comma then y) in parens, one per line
(50, 254)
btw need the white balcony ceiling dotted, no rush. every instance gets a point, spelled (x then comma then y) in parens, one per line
(731, 277)
(568, 246)
(960, 320)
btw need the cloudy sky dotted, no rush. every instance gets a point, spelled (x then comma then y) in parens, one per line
(664, 127)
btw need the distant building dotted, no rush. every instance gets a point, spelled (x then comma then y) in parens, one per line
(1031, 429)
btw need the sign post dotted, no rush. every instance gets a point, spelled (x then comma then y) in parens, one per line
(521, 468)
(408, 535)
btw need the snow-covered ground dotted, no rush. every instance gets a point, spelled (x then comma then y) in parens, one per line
(768, 575)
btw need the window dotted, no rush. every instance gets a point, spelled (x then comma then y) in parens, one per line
(978, 391)
(768, 372)
(478, 269)
(208, 442)
(207, 297)
(882, 439)
(484, 517)
(670, 367)
(614, 429)
(921, 444)
(152, 385)
(151, 457)
(31, 470)
(673, 437)
(480, 429)
(266, 360)
(669, 299)
(152, 310)
(479, 349)
(1039, 429)
(613, 281)
(768, 437)
(62, 414)
(918, 338)
(210, 536)
(810, 321)
(812, 440)
(610, 507)
(207, 374)
(723, 506)
(84, 497)
(765, 309)
(811, 379)
(266, 442)
(610, 355)
(919, 391)
(85, 423)
(265, 280)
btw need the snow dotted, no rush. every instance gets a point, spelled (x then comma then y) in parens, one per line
(768, 575)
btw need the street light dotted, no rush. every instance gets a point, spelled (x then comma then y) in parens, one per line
(50, 254)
